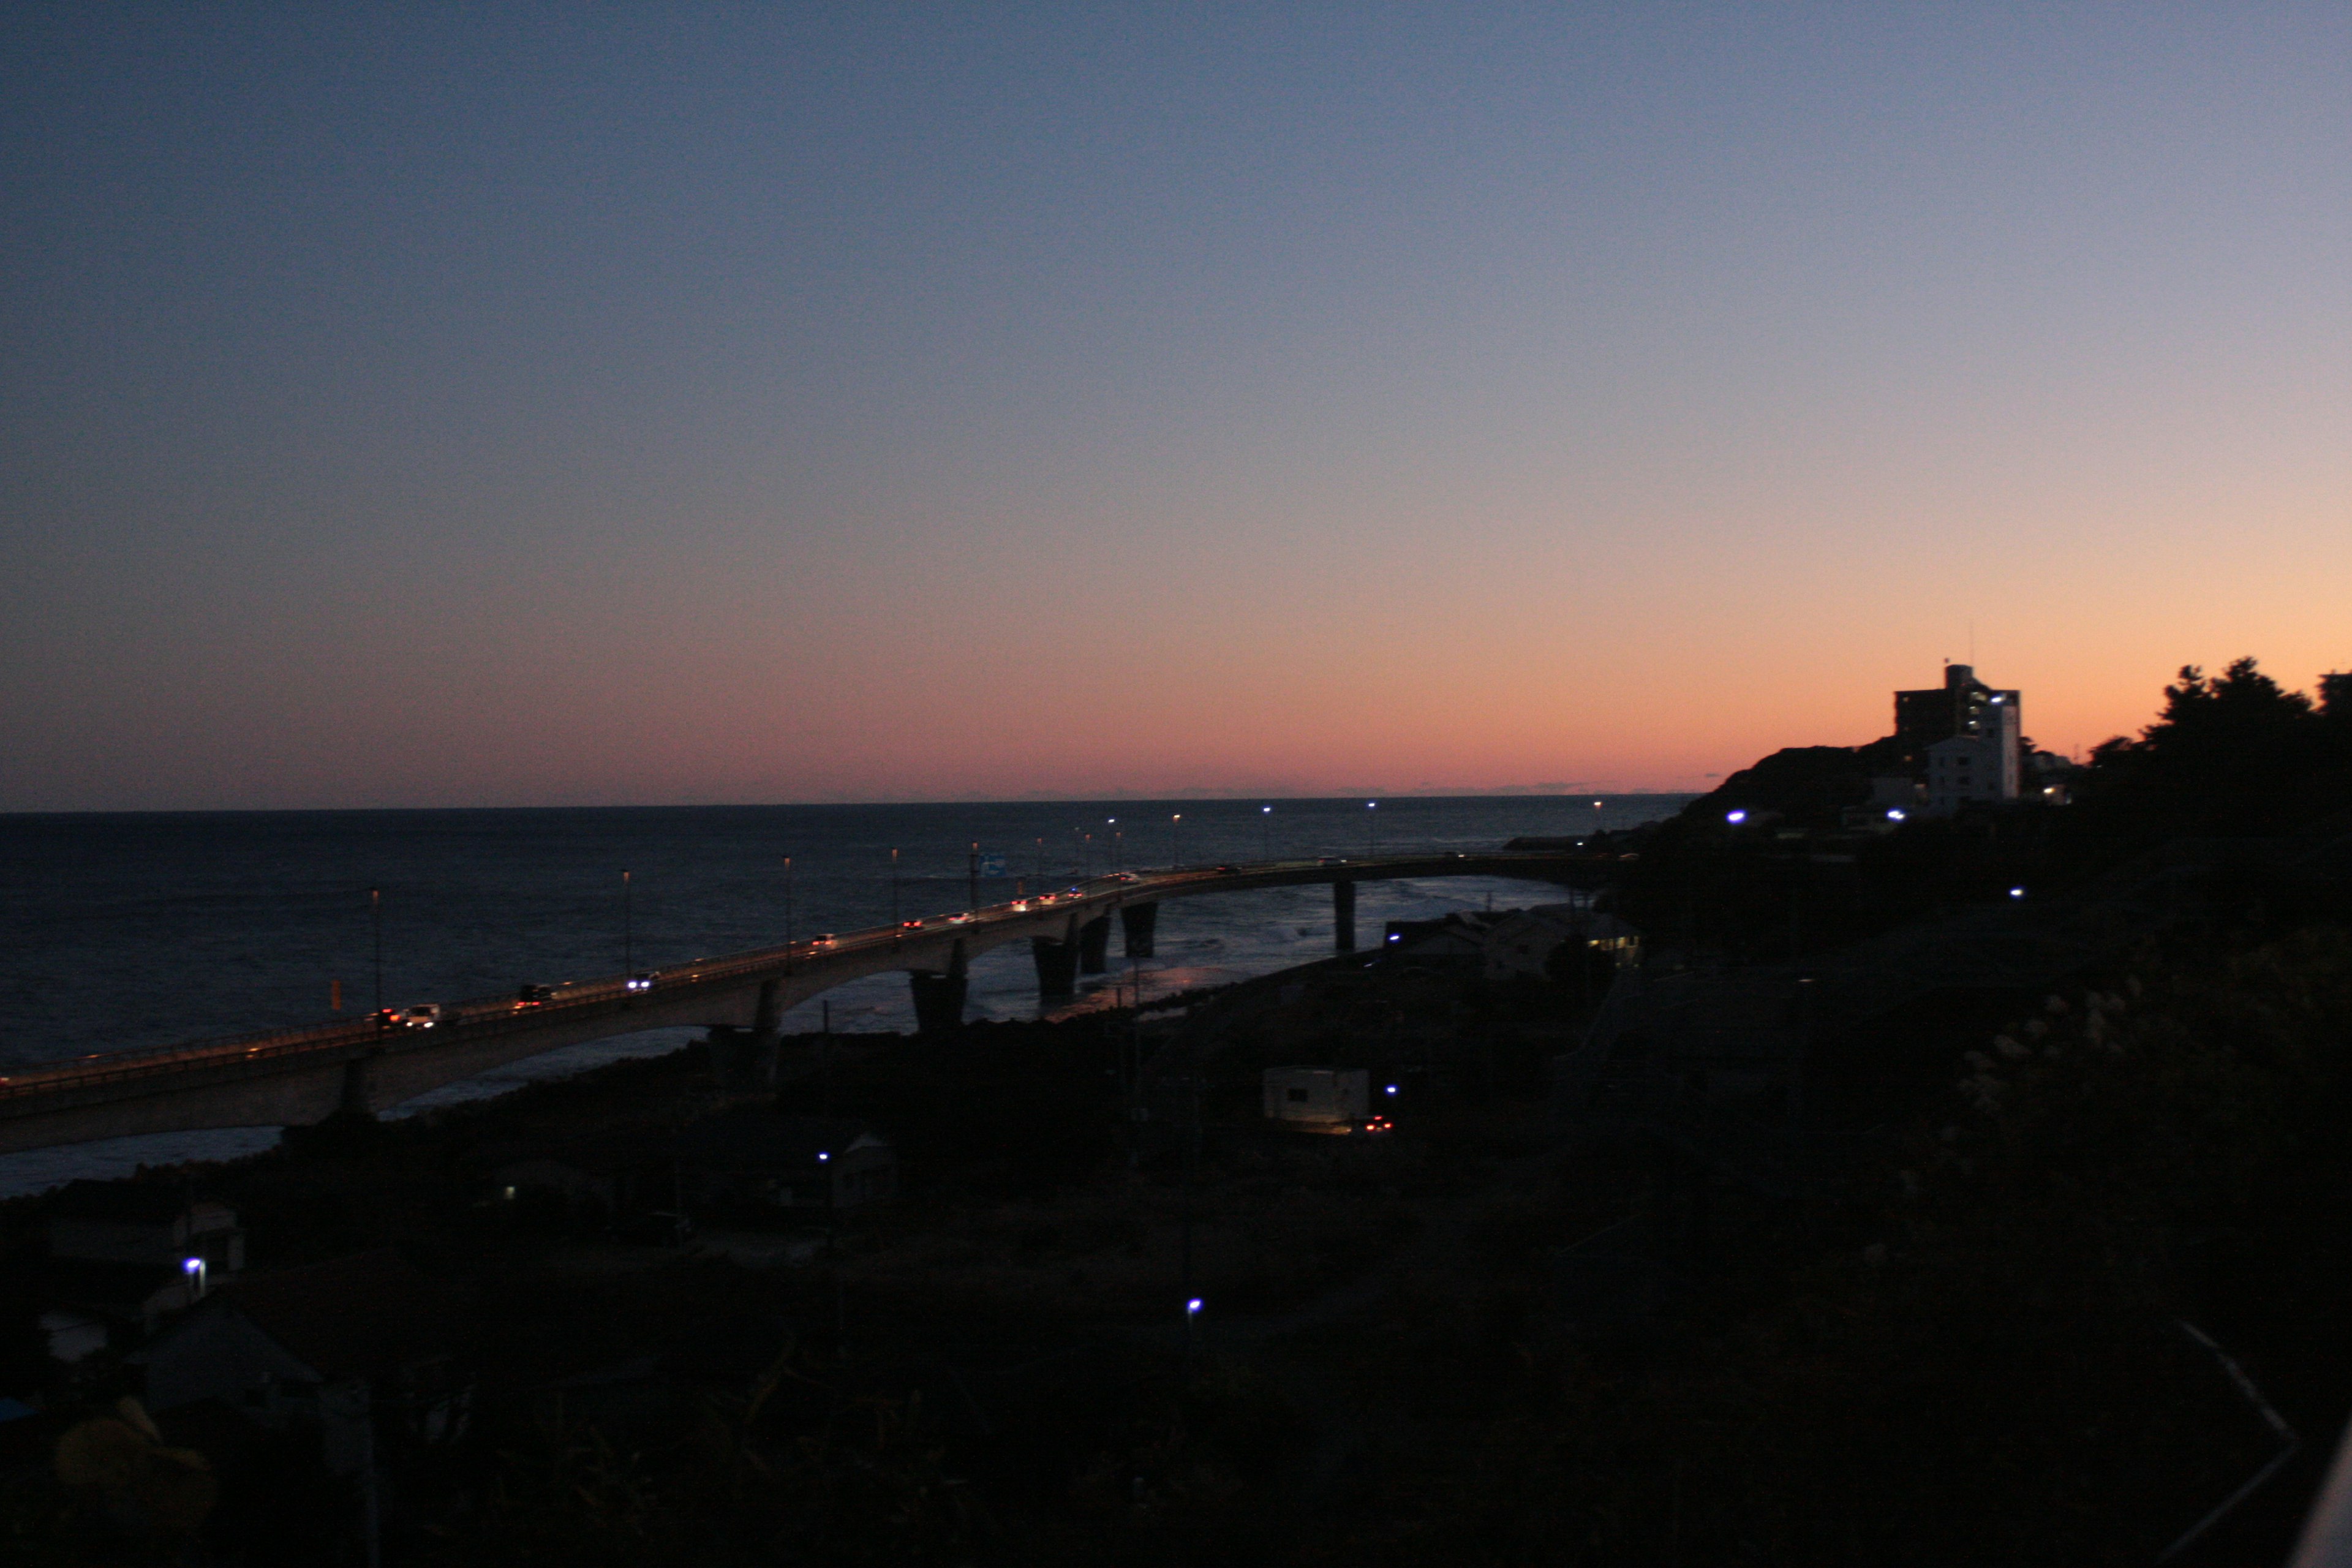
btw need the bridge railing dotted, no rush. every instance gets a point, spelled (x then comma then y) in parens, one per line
(485, 1016)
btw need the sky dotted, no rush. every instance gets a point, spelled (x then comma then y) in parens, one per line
(569, 405)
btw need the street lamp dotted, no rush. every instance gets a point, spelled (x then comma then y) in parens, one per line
(1175, 840)
(628, 942)
(1265, 831)
(788, 913)
(375, 918)
(1372, 825)
(1112, 823)
(894, 892)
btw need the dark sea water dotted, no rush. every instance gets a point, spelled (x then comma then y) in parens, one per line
(123, 932)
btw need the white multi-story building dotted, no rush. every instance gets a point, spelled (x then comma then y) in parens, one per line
(1982, 765)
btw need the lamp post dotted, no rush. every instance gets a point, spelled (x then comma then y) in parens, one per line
(788, 915)
(894, 892)
(1373, 827)
(1112, 823)
(972, 872)
(375, 919)
(1265, 831)
(628, 933)
(1175, 840)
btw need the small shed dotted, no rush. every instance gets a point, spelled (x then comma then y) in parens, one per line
(314, 1343)
(1455, 944)
(1522, 945)
(145, 1223)
(764, 1159)
(131, 1253)
(1320, 1096)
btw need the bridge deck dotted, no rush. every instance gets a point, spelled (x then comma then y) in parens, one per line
(302, 1074)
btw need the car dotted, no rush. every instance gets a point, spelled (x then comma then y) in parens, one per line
(424, 1016)
(960, 920)
(823, 939)
(911, 925)
(1019, 906)
(641, 981)
(534, 995)
(1047, 898)
(1229, 870)
(1122, 876)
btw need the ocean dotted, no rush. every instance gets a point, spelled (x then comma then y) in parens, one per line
(131, 931)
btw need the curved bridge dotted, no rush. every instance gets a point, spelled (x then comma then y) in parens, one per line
(303, 1075)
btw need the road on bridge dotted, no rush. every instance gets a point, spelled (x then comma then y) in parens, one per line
(736, 989)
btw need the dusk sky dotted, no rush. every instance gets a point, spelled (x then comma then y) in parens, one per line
(562, 404)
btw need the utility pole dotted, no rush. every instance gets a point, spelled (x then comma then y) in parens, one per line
(628, 935)
(788, 915)
(1191, 1184)
(894, 896)
(971, 871)
(375, 918)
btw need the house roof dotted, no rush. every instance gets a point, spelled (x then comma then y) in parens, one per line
(754, 1138)
(1568, 920)
(117, 1289)
(351, 1314)
(135, 1202)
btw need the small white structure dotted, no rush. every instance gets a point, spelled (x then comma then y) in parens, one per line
(1317, 1095)
(1970, 768)
(1521, 945)
(141, 1224)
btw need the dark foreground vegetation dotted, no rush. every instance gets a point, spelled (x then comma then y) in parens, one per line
(2030, 1269)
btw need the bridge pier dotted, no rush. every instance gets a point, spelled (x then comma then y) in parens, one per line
(1094, 946)
(1136, 922)
(1343, 916)
(746, 1058)
(1057, 961)
(359, 1078)
(940, 998)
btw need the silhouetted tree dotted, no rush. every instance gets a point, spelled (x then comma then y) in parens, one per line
(2231, 755)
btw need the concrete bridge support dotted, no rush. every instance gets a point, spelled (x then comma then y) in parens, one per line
(359, 1078)
(1343, 916)
(1136, 923)
(1094, 946)
(940, 998)
(1057, 961)
(746, 1058)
